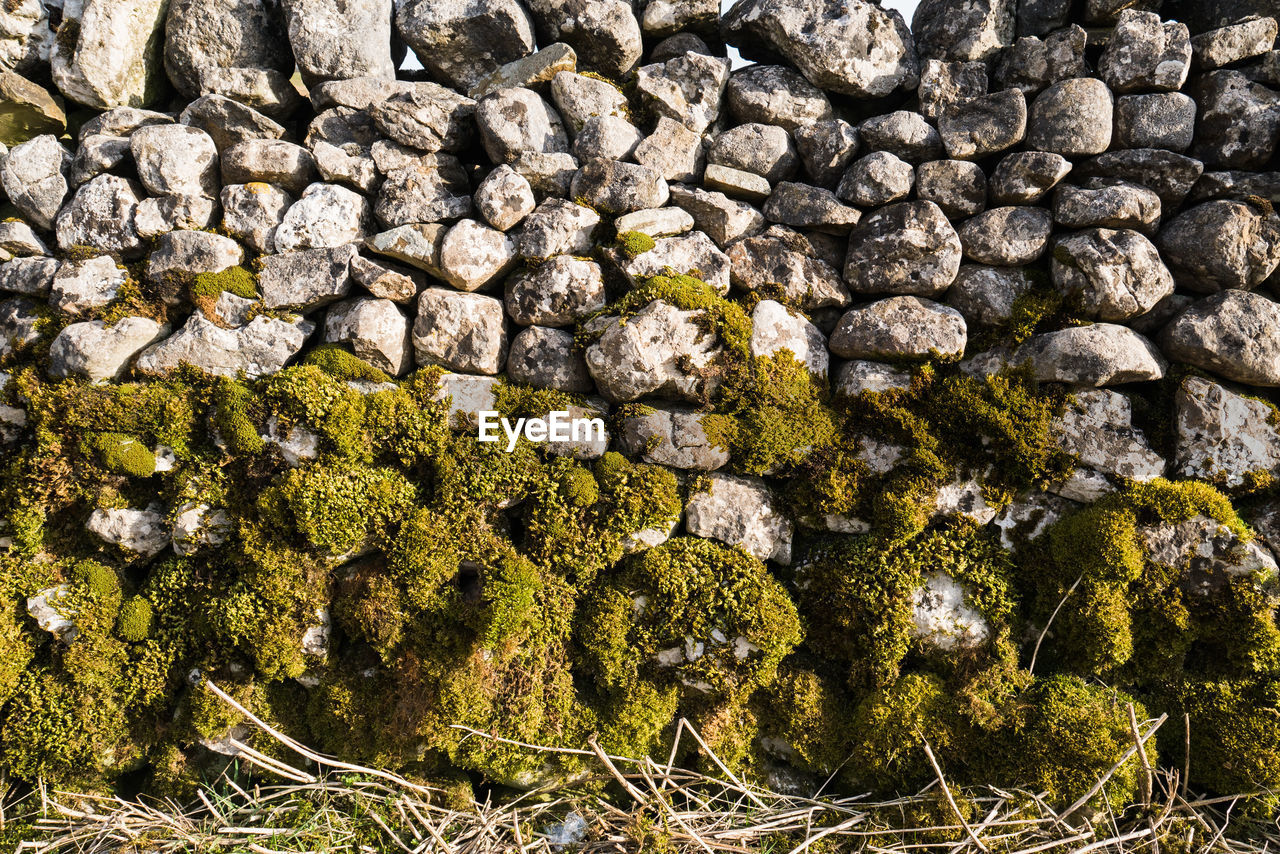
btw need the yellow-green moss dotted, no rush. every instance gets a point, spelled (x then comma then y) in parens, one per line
(335, 509)
(123, 454)
(134, 621)
(343, 365)
(635, 243)
(234, 280)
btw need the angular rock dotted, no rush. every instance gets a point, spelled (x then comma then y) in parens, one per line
(1031, 64)
(688, 88)
(266, 90)
(905, 248)
(963, 31)
(306, 279)
(99, 352)
(692, 253)
(460, 331)
(80, 286)
(1163, 120)
(675, 17)
(673, 151)
(1097, 428)
(325, 217)
(27, 110)
(30, 276)
(107, 53)
(258, 349)
(860, 377)
(741, 512)
(986, 295)
(1238, 122)
(803, 206)
(723, 219)
(159, 215)
(269, 161)
(1024, 177)
(140, 531)
(557, 227)
(504, 198)
(190, 252)
(780, 258)
(1207, 553)
(764, 150)
(655, 222)
(661, 350)
(736, 182)
(433, 189)
(958, 187)
(340, 41)
(1110, 275)
(1233, 334)
(983, 126)
(673, 437)
(558, 292)
(1223, 437)
(1097, 355)
(604, 33)
(774, 330)
(614, 138)
(578, 97)
(529, 72)
(27, 36)
(775, 95)
(472, 255)
(1222, 244)
(619, 188)
(1071, 118)
(877, 179)
(1170, 175)
(417, 245)
(98, 154)
(546, 358)
(221, 34)
(34, 176)
(943, 84)
(427, 117)
(252, 212)
(386, 281)
(1146, 54)
(903, 134)
(1234, 42)
(1007, 236)
(375, 329)
(513, 121)
(175, 160)
(1110, 204)
(826, 149)
(904, 327)
(100, 215)
(228, 122)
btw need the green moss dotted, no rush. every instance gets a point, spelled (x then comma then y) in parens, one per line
(889, 730)
(580, 487)
(336, 509)
(806, 718)
(123, 454)
(343, 365)
(235, 416)
(307, 395)
(635, 243)
(134, 621)
(234, 280)
(1235, 739)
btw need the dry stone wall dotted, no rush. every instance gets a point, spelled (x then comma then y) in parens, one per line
(906, 337)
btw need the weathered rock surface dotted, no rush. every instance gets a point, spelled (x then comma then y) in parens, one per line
(741, 512)
(1233, 334)
(1224, 437)
(460, 331)
(906, 248)
(1098, 355)
(661, 351)
(904, 327)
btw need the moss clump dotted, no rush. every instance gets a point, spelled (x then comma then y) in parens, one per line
(1235, 738)
(889, 729)
(123, 454)
(234, 280)
(134, 621)
(335, 509)
(635, 243)
(805, 719)
(343, 365)
(236, 414)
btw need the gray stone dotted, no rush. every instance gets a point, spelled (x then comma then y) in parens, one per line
(228, 122)
(1071, 118)
(387, 281)
(460, 331)
(159, 215)
(99, 352)
(1223, 437)
(958, 187)
(81, 286)
(614, 138)
(351, 165)
(963, 30)
(902, 133)
(904, 327)
(774, 330)
(1171, 175)
(982, 126)
(905, 248)
(775, 95)
(25, 36)
(689, 88)
(736, 182)
(340, 40)
(1222, 244)
(34, 176)
(190, 252)
(1097, 355)
(266, 90)
(512, 121)
(986, 295)
(472, 255)
(545, 358)
(1207, 554)
(1007, 236)
(826, 149)
(1234, 42)
(655, 222)
(661, 350)
(221, 34)
(557, 292)
(943, 84)
(530, 72)
(784, 259)
(1110, 275)
(252, 212)
(325, 217)
(100, 215)
(17, 239)
(619, 188)
(142, 532)
(417, 244)
(848, 46)
(433, 189)
(175, 160)
(672, 437)
(723, 219)
(98, 154)
(741, 512)
(673, 151)
(27, 109)
(1110, 204)
(107, 52)
(764, 150)
(30, 276)
(578, 97)
(427, 117)
(861, 377)
(876, 179)
(1097, 429)
(605, 33)
(803, 206)
(467, 396)
(258, 349)
(1023, 178)
(504, 198)
(307, 279)
(122, 121)
(375, 329)
(675, 17)
(1146, 54)
(692, 253)
(557, 227)
(1238, 123)
(1163, 120)
(1233, 334)
(1031, 64)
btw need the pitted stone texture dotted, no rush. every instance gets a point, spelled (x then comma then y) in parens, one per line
(158, 215)
(943, 84)
(460, 331)
(673, 437)
(81, 286)
(513, 121)
(578, 98)
(775, 95)
(1108, 204)
(189, 252)
(1233, 334)
(1097, 428)
(434, 188)
(1007, 236)
(741, 512)
(34, 176)
(1222, 244)
(983, 126)
(986, 295)
(604, 33)
(661, 350)
(904, 327)
(860, 377)
(108, 53)
(504, 198)
(30, 276)
(463, 41)
(97, 154)
(1023, 178)
(1208, 552)
(1097, 355)
(175, 159)
(269, 161)
(386, 281)
(942, 619)
(764, 150)
(253, 212)
(557, 227)
(1170, 175)
(228, 122)
(1238, 122)
(375, 329)
(530, 72)
(200, 35)
(848, 46)
(258, 349)
(306, 279)
(1234, 42)
(963, 30)
(826, 149)
(615, 138)
(1110, 275)
(877, 179)
(546, 358)
(426, 117)
(656, 222)
(340, 40)
(1071, 118)
(325, 217)
(101, 215)
(723, 219)
(687, 253)
(906, 248)
(264, 89)
(1223, 437)
(774, 329)
(98, 352)
(142, 532)
(689, 88)
(1146, 54)
(958, 187)
(673, 151)
(902, 133)
(802, 206)
(473, 255)
(27, 36)
(1031, 64)
(785, 259)
(1164, 120)
(619, 188)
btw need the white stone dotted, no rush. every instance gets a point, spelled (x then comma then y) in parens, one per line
(941, 618)
(140, 531)
(741, 512)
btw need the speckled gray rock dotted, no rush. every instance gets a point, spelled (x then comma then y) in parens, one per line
(736, 182)
(159, 215)
(472, 255)
(618, 188)
(190, 252)
(958, 187)
(1221, 244)
(723, 219)
(228, 122)
(1171, 175)
(1097, 429)
(905, 248)
(337, 41)
(1234, 42)
(427, 117)
(81, 286)
(202, 34)
(558, 292)
(546, 358)
(1097, 355)
(1223, 437)
(1031, 64)
(27, 36)
(826, 149)
(34, 176)
(460, 331)
(1162, 120)
(1071, 118)
(688, 253)
(463, 41)
(142, 532)
(1007, 236)
(1024, 177)
(784, 258)
(775, 330)
(741, 512)
(1108, 204)
(604, 33)
(1238, 122)
(375, 329)
(775, 95)
(417, 245)
(876, 179)
(804, 206)
(943, 84)
(512, 121)
(860, 377)
(902, 133)
(266, 90)
(30, 276)
(661, 350)
(434, 188)
(19, 322)
(986, 295)
(387, 281)
(258, 349)
(614, 138)
(252, 213)
(764, 150)
(306, 279)
(983, 126)
(176, 159)
(578, 97)
(671, 436)
(557, 227)
(1233, 334)
(326, 216)
(107, 53)
(504, 198)
(679, 17)
(1110, 275)
(1146, 54)
(97, 154)
(98, 352)
(848, 46)
(963, 30)
(655, 222)
(688, 88)
(673, 151)
(100, 215)
(18, 239)
(270, 161)
(904, 327)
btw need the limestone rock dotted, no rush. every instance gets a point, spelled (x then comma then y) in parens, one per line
(1238, 122)
(26, 36)
(604, 33)
(986, 295)
(269, 161)
(175, 160)
(504, 198)
(228, 122)
(1233, 334)
(615, 138)
(619, 188)
(785, 259)
(460, 331)
(673, 151)
(252, 212)
(958, 187)
(826, 149)
(741, 512)
(962, 30)
(688, 89)
(140, 531)
(903, 327)
(258, 349)
(426, 117)
(661, 350)
(1234, 42)
(190, 252)
(1024, 177)
(1111, 275)
(99, 352)
(578, 98)
(1146, 54)
(306, 279)
(673, 437)
(1007, 236)
(27, 110)
(327, 216)
(1097, 428)
(463, 41)
(30, 276)
(1164, 120)
(340, 40)
(557, 227)
(942, 618)
(1097, 355)
(546, 358)
(876, 179)
(1223, 437)
(905, 248)
(723, 219)
(101, 215)
(775, 95)
(375, 329)
(472, 255)
(764, 150)
(433, 189)
(983, 126)
(1108, 204)
(1071, 118)
(513, 121)
(107, 52)
(221, 34)
(1222, 244)
(558, 292)
(81, 286)
(34, 176)
(689, 253)
(774, 330)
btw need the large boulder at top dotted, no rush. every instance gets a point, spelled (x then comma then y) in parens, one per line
(463, 41)
(604, 33)
(963, 30)
(853, 47)
(1222, 244)
(25, 35)
(340, 40)
(201, 34)
(1233, 334)
(107, 53)
(1146, 54)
